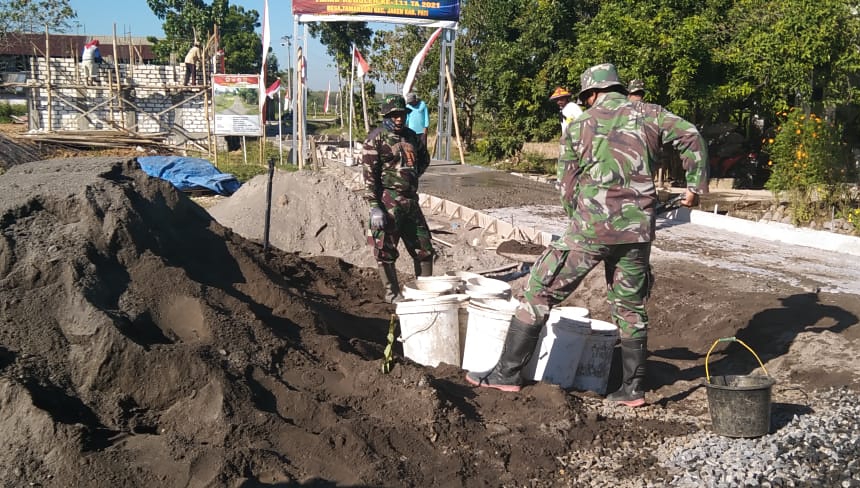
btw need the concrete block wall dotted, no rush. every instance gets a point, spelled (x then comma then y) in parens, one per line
(144, 86)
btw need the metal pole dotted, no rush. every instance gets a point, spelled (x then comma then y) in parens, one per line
(280, 124)
(294, 82)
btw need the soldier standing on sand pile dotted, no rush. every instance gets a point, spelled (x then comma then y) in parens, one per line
(393, 158)
(609, 193)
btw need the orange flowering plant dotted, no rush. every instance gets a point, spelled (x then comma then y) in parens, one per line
(806, 160)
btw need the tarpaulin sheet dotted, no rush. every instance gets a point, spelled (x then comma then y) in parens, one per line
(189, 173)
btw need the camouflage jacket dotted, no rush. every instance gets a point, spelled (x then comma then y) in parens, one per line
(607, 164)
(391, 165)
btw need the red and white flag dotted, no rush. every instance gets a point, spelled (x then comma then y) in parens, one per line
(272, 91)
(416, 62)
(266, 41)
(361, 65)
(327, 93)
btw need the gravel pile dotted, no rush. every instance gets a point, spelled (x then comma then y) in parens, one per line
(819, 447)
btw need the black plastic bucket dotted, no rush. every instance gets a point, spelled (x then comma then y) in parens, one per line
(739, 405)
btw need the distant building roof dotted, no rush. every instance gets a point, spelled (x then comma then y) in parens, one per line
(70, 45)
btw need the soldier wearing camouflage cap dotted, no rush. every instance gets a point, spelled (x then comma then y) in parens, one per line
(635, 90)
(393, 158)
(609, 193)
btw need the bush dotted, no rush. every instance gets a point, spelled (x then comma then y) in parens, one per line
(7, 111)
(500, 146)
(806, 163)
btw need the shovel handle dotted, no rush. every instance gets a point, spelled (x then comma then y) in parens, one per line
(730, 339)
(670, 204)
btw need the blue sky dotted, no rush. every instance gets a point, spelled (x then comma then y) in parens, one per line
(134, 17)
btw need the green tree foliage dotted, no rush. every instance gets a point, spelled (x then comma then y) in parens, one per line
(34, 16)
(188, 20)
(791, 52)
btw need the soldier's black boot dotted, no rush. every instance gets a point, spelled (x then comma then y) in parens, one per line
(388, 276)
(423, 268)
(516, 353)
(633, 355)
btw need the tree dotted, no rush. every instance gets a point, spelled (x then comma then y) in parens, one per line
(34, 15)
(190, 20)
(339, 37)
(791, 52)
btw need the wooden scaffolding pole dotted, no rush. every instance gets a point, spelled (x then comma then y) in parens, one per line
(454, 113)
(48, 85)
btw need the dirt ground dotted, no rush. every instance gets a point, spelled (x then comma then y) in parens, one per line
(146, 344)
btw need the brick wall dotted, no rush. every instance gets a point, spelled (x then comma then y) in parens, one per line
(147, 96)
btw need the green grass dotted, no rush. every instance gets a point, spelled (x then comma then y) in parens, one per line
(7, 111)
(234, 162)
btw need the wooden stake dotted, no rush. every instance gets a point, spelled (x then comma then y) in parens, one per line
(454, 113)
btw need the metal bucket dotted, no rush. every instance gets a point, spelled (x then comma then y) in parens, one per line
(739, 404)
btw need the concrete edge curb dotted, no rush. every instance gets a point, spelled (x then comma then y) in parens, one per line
(771, 231)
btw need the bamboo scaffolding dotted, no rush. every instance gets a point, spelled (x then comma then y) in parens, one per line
(114, 99)
(48, 67)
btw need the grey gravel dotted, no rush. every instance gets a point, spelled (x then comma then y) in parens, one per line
(819, 447)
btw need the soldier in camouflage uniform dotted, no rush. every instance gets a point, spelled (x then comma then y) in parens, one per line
(393, 158)
(609, 192)
(636, 90)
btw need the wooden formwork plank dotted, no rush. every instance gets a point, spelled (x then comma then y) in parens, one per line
(490, 224)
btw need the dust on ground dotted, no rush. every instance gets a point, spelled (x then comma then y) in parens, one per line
(145, 344)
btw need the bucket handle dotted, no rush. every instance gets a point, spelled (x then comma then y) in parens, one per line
(404, 339)
(730, 339)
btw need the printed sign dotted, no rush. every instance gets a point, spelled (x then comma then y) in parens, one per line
(236, 99)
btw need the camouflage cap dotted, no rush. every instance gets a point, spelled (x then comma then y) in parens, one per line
(636, 86)
(392, 105)
(597, 77)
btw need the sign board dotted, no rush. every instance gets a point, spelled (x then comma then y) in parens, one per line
(236, 101)
(439, 13)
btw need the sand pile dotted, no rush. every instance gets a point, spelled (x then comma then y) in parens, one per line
(312, 214)
(143, 344)
(322, 213)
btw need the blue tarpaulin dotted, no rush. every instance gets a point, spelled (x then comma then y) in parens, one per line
(189, 173)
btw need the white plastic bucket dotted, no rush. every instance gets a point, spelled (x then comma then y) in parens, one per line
(560, 347)
(430, 329)
(487, 329)
(592, 374)
(482, 287)
(454, 281)
(423, 289)
(461, 277)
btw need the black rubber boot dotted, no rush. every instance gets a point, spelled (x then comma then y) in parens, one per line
(633, 355)
(388, 276)
(518, 349)
(423, 268)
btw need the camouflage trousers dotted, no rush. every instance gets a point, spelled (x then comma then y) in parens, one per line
(405, 220)
(565, 263)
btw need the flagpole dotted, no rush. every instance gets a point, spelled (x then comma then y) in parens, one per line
(349, 161)
(364, 107)
(280, 124)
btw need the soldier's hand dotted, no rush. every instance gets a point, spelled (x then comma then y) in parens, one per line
(377, 218)
(691, 199)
